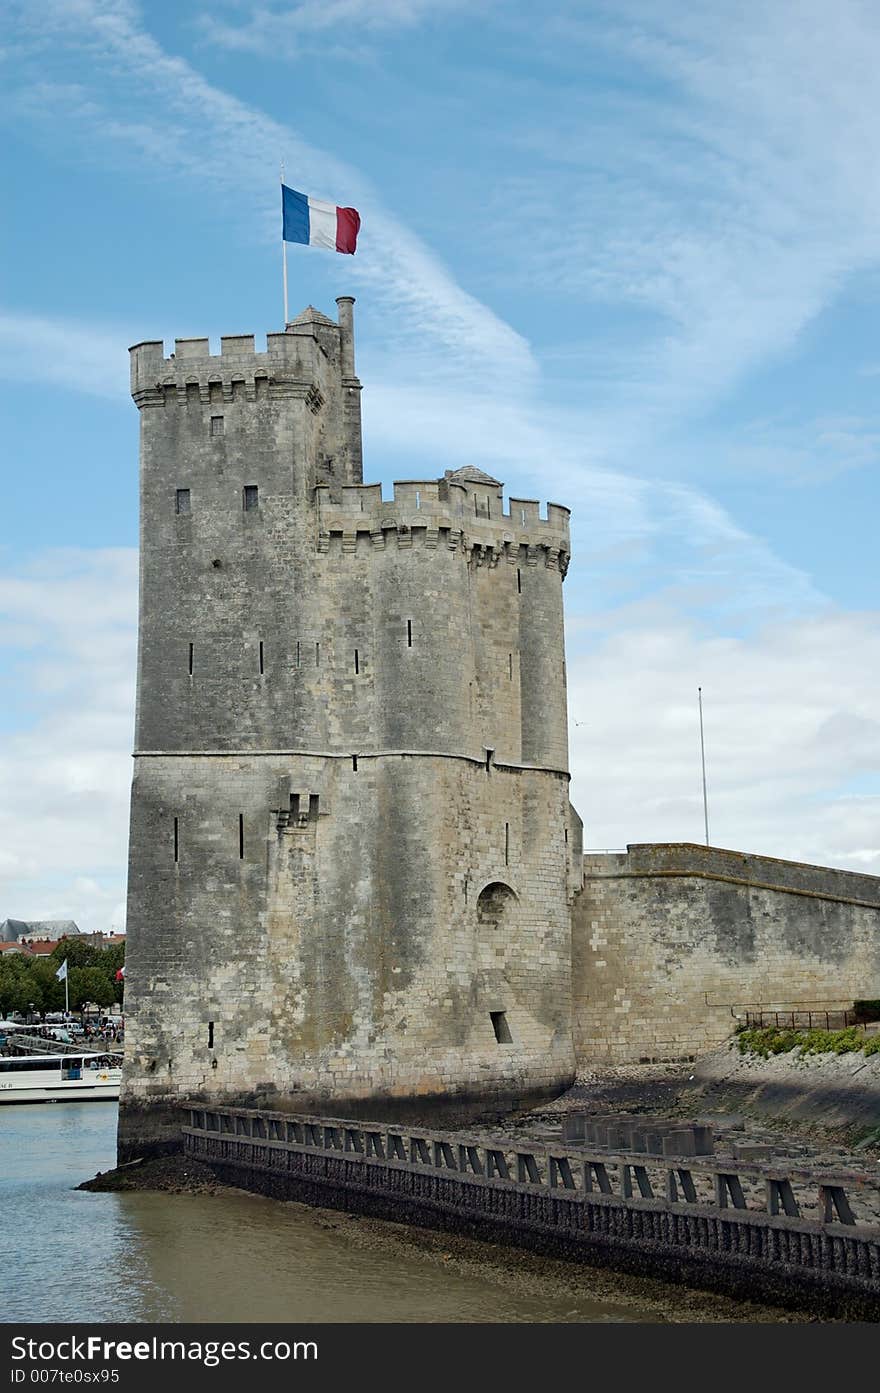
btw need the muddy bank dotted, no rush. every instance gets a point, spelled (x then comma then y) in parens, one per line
(835, 1095)
(824, 1106)
(512, 1268)
(176, 1174)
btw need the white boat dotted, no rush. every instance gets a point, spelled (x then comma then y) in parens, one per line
(59, 1078)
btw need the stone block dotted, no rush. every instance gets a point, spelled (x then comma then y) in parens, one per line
(752, 1151)
(679, 1143)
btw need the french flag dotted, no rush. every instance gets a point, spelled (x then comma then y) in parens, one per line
(318, 224)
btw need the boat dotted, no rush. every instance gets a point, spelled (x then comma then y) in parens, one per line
(59, 1078)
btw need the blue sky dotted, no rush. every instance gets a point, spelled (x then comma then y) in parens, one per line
(624, 256)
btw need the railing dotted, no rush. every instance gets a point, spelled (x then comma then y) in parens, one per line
(744, 1190)
(801, 1020)
(40, 1044)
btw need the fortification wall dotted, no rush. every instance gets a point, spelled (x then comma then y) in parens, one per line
(670, 943)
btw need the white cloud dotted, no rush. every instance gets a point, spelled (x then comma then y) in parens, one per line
(790, 721)
(65, 771)
(87, 358)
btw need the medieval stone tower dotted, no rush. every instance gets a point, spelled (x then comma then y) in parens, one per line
(352, 854)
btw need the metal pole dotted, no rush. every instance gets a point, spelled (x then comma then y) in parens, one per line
(284, 252)
(703, 757)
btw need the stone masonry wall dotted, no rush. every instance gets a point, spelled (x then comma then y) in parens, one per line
(670, 943)
(351, 850)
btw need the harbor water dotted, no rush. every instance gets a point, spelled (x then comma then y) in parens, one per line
(70, 1255)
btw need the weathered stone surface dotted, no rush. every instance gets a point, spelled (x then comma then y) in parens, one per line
(351, 849)
(672, 944)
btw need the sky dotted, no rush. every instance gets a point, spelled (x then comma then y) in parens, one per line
(621, 256)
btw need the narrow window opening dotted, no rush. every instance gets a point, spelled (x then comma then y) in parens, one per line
(294, 806)
(488, 506)
(489, 754)
(418, 498)
(476, 506)
(409, 633)
(297, 652)
(354, 763)
(210, 1035)
(176, 840)
(507, 843)
(182, 501)
(510, 666)
(501, 1028)
(262, 663)
(519, 581)
(241, 836)
(522, 513)
(191, 660)
(465, 892)
(216, 425)
(566, 836)
(317, 655)
(250, 497)
(313, 807)
(357, 662)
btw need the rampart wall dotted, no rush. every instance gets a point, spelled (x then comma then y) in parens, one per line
(671, 944)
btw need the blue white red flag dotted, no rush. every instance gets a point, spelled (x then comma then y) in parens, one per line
(318, 224)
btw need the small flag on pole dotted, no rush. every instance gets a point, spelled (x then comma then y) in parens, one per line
(61, 974)
(120, 974)
(318, 224)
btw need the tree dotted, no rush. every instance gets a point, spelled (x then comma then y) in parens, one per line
(15, 994)
(41, 972)
(77, 953)
(89, 984)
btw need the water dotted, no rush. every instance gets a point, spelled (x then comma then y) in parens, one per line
(69, 1255)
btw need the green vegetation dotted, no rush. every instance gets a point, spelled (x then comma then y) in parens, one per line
(771, 1040)
(26, 981)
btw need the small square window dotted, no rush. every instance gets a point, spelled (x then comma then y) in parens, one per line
(251, 497)
(182, 504)
(216, 425)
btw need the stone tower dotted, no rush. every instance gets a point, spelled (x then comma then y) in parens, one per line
(352, 854)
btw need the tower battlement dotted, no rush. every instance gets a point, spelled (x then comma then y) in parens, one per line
(290, 355)
(454, 511)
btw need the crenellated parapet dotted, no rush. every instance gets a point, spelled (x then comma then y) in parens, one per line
(306, 371)
(463, 510)
(286, 369)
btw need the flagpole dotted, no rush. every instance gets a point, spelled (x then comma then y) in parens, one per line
(703, 757)
(283, 249)
(66, 997)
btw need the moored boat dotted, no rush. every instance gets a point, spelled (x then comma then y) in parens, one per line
(59, 1078)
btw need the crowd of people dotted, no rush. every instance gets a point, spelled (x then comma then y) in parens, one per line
(106, 1031)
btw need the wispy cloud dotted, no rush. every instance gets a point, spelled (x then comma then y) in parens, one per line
(723, 189)
(288, 30)
(68, 353)
(208, 134)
